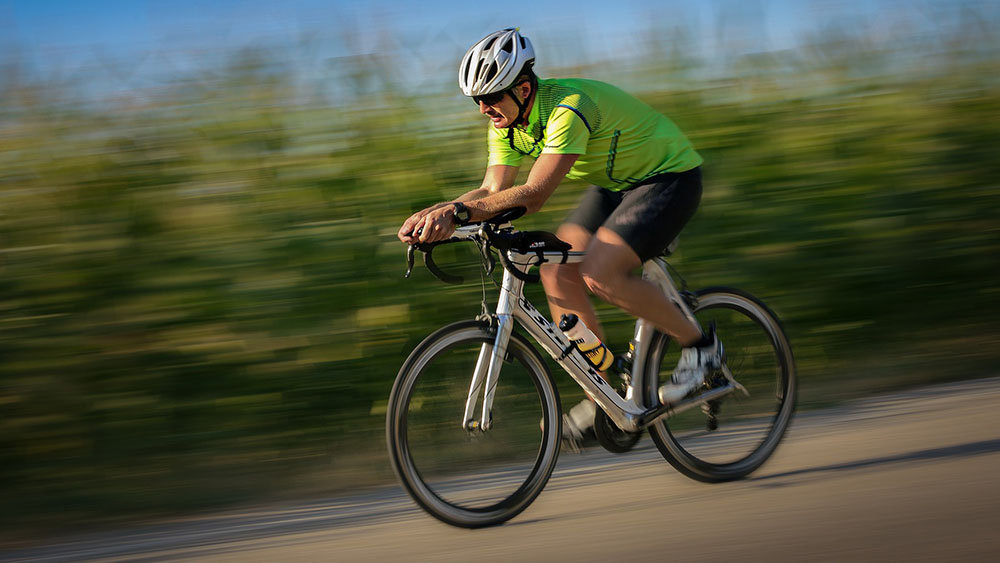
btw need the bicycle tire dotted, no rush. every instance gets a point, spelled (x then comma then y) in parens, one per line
(760, 357)
(505, 467)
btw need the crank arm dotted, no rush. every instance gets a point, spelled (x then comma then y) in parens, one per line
(732, 380)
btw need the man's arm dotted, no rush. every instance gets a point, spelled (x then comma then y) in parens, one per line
(545, 176)
(498, 178)
(438, 223)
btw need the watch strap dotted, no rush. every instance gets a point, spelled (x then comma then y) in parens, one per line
(461, 213)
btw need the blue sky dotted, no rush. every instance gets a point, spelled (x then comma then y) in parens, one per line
(58, 36)
(52, 27)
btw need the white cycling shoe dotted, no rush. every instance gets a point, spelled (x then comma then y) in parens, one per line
(578, 420)
(577, 425)
(695, 365)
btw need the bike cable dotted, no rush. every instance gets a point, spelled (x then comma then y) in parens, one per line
(487, 270)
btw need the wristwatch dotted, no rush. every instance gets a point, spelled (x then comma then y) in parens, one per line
(461, 213)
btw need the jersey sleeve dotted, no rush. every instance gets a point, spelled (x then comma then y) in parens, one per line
(570, 125)
(499, 149)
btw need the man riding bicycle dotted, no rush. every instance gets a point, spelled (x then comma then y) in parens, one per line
(646, 186)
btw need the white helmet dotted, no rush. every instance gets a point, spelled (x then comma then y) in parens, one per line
(495, 62)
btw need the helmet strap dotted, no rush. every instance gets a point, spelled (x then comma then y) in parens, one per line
(521, 106)
(521, 109)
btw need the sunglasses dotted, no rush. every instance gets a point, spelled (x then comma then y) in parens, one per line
(490, 99)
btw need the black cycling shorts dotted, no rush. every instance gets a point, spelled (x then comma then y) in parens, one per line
(649, 216)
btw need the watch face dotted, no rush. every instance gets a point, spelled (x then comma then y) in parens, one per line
(462, 213)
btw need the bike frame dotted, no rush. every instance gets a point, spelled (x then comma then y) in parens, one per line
(639, 408)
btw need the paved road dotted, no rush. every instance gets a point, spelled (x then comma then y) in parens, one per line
(913, 476)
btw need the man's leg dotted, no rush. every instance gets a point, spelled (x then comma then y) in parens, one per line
(607, 272)
(564, 286)
(637, 224)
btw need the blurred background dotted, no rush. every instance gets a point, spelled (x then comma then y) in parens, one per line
(201, 294)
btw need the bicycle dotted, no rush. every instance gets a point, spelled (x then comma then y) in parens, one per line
(437, 436)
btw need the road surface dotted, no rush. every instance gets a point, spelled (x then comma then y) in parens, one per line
(912, 476)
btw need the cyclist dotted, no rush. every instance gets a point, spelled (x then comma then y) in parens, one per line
(646, 186)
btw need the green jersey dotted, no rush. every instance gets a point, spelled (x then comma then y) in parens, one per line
(621, 140)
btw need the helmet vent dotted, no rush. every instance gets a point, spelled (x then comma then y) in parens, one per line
(489, 43)
(479, 67)
(491, 71)
(509, 45)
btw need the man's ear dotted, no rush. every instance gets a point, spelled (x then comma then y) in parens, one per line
(525, 88)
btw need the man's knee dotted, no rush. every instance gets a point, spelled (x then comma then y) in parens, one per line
(600, 279)
(608, 264)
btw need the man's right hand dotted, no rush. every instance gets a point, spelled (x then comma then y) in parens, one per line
(429, 225)
(407, 233)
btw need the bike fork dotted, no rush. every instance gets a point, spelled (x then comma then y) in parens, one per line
(491, 357)
(482, 365)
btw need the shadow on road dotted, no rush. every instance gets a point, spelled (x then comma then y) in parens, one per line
(962, 450)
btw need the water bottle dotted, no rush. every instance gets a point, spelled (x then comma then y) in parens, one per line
(596, 353)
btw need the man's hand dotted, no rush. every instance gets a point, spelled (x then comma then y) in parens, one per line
(429, 225)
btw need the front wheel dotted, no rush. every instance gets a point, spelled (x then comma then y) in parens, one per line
(472, 478)
(730, 437)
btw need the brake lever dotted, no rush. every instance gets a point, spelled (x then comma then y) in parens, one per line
(427, 249)
(409, 259)
(409, 253)
(484, 251)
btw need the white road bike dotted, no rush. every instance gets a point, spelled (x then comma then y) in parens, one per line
(462, 423)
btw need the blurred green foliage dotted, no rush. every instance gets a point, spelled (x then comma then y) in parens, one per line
(201, 292)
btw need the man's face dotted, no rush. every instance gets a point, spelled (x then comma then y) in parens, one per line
(503, 113)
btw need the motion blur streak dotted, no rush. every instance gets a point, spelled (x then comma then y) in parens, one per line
(201, 293)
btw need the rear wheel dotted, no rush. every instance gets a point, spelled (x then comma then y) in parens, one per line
(730, 437)
(472, 478)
